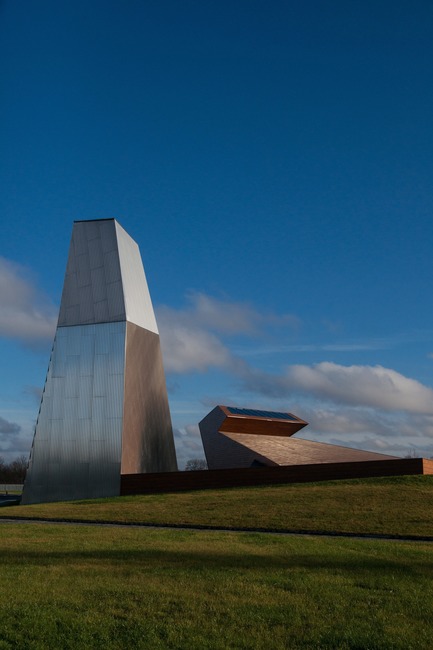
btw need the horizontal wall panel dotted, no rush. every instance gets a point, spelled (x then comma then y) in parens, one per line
(228, 478)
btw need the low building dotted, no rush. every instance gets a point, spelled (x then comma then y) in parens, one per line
(240, 438)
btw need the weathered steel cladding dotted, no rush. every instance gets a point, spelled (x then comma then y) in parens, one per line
(262, 426)
(276, 450)
(147, 440)
(220, 451)
(234, 441)
(230, 478)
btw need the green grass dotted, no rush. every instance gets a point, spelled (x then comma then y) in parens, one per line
(79, 587)
(389, 506)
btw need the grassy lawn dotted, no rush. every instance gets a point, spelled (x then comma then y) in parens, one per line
(395, 506)
(86, 587)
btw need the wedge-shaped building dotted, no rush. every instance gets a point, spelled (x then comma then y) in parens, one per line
(104, 409)
(240, 438)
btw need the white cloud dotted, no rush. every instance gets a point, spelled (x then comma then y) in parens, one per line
(26, 313)
(187, 349)
(373, 386)
(192, 340)
(191, 337)
(14, 440)
(349, 420)
(9, 427)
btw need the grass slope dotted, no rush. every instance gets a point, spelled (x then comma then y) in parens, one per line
(79, 587)
(390, 506)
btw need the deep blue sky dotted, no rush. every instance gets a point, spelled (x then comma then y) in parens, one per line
(270, 158)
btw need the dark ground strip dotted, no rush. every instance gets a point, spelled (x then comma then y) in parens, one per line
(221, 529)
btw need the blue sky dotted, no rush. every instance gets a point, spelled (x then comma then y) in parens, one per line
(274, 162)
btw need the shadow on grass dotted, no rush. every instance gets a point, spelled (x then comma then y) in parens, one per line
(216, 561)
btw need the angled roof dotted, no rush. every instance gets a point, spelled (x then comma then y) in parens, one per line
(293, 451)
(275, 423)
(240, 437)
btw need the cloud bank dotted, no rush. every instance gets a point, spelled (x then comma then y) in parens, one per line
(26, 314)
(192, 337)
(342, 402)
(195, 339)
(371, 386)
(9, 427)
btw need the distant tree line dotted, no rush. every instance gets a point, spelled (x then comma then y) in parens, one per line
(13, 472)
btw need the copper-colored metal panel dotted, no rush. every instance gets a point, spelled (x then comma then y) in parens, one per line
(222, 452)
(243, 438)
(291, 451)
(147, 438)
(427, 466)
(229, 478)
(261, 426)
(265, 426)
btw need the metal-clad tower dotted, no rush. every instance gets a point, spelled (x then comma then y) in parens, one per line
(104, 409)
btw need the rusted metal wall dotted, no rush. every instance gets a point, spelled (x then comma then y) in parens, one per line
(228, 478)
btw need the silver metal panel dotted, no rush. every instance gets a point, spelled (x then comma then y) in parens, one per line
(116, 306)
(107, 234)
(82, 426)
(70, 291)
(87, 352)
(104, 407)
(138, 304)
(58, 411)
(99, 287)
(112, 266)
(99, 375)
(72, 375)
(101, 311)
(83, 269)
(71, 313)
(98, 411)
(79, 241)
(84, 406)
(92, 291)
(96, 259)
(92, 231)
(102, 341)
(87, 312)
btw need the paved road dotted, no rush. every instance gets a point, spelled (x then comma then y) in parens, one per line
(306, 533)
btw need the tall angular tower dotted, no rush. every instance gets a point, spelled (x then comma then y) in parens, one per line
(104, 409)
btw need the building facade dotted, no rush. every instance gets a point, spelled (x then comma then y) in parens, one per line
(235, 438)
(104, 409)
